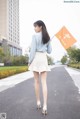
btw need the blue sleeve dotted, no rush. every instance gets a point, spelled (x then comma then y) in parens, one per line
(32, 50)
(49, 47)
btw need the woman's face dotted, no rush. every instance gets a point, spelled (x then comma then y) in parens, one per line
(38, 28)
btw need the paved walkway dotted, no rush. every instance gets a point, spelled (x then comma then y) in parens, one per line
(19, 101)
(15, 79)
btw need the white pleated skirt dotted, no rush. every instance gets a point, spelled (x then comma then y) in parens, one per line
(40, 62)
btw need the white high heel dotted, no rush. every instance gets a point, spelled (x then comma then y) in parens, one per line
(38, 105)
(44, 111)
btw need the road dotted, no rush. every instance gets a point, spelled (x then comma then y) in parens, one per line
(19, 102)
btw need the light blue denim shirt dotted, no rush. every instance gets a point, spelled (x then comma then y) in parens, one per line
(38, 46)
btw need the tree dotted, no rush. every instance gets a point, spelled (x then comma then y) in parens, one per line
(74, 54)
(19, 60)
(64, 59)
(50, 60)
(7, 57)
(1, 55)
(77, 55)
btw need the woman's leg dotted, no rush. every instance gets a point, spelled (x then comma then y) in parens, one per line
(36, 85)
(44, 88)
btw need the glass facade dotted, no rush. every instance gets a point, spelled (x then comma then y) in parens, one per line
(15, 51)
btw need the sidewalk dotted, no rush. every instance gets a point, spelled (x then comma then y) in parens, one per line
(75, 74)
(15, 79)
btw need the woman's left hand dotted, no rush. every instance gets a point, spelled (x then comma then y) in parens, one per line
(28, 65)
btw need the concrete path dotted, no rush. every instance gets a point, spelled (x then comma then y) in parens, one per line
(13, 80)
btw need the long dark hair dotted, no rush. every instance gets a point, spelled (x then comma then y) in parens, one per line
(45, 35)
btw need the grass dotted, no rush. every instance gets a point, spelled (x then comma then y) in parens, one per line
(11, 67)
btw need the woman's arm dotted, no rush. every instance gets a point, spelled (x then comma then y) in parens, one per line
(49, 47)
(33, 49)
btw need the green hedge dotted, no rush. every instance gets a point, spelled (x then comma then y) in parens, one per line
(77, 66)
(5, 73)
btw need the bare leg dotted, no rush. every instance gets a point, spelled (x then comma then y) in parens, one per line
(44, 87)
(36, 85)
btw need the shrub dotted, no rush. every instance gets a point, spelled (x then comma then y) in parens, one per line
(77, 65)
(9, 72)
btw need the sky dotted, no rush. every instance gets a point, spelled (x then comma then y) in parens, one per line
(55, 14)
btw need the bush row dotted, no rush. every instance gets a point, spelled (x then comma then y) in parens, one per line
(75, 65)
(6, 73)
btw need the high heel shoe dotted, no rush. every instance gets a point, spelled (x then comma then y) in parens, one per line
(44, 111)
(38, 106)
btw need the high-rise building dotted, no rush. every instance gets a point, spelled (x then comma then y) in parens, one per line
(9, 25)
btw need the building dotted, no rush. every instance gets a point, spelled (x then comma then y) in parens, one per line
(9, 25)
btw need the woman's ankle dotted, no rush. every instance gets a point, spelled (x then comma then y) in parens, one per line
(38, 102)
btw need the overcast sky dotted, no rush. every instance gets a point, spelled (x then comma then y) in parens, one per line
(55, 14)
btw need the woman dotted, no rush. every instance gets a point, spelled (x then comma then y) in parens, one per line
(38, 63)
